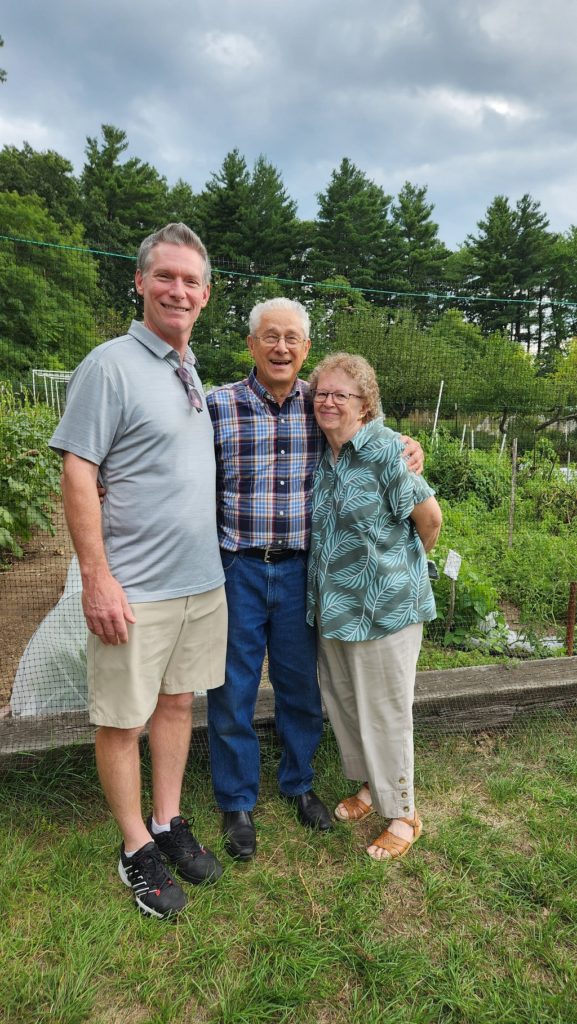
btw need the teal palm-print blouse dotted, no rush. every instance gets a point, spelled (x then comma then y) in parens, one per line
(367, 573)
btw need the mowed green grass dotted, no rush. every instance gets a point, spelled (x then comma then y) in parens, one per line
(478, 924)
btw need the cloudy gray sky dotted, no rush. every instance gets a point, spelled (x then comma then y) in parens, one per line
(472, 98)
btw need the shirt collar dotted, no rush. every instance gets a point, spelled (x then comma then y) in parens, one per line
(365, 433)
(255, 385)
(157, 346)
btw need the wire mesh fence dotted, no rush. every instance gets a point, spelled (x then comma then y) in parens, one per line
(497, 421)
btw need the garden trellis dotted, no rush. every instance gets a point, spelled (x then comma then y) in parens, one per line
(50, 386)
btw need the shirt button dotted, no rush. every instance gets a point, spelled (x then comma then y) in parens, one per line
(281, 513)
(404, 794)
(282, 483)
(402, 782)
(406, 809)
(282, 451)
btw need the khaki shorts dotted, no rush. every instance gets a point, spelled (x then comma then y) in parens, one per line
(176, 646)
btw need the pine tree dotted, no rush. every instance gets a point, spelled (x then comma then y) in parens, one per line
(532, 263)
(488, 258)
(122, 203)
(511, 260)
(352, 228)
(421, 254)
(271, 222)
(222, 212)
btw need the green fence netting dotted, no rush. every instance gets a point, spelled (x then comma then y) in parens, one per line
(496, 412)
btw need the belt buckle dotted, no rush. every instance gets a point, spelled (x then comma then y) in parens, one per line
(268, 551)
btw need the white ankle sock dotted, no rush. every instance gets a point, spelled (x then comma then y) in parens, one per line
(157, 829)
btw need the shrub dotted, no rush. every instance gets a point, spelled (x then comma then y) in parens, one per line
(29, 470)
(536, 573)
(457, 472)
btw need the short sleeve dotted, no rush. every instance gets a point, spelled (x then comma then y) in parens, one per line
(92, 415)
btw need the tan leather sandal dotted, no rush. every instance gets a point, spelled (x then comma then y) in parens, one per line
(393, 845)
(356, 809)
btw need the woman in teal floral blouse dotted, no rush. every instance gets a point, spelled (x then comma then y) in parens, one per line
(369, 592)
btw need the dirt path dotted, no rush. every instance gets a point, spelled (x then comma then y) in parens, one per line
(29, 588)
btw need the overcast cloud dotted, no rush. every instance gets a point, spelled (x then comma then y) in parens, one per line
(472, 98)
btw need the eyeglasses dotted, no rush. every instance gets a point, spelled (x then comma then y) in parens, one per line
(192, 393)
(272, 339)
(338, 397)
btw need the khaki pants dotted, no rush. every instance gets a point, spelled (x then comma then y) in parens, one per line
(368, 688)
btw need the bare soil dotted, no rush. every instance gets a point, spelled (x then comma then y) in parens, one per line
(29, 588)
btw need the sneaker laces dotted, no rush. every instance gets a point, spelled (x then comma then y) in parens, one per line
(152, 869)
(183, 838)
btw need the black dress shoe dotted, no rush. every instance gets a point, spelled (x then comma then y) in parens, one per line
(311, 811)
(239, 834)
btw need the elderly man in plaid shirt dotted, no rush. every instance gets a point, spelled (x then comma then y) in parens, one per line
(267, 449)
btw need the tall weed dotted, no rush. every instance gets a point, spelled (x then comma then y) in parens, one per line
(29, 470)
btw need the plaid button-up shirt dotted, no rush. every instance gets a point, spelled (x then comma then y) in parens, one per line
(266, 456)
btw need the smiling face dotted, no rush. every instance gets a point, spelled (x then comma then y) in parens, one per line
(174, 292)
(278, 363)
(339, 422)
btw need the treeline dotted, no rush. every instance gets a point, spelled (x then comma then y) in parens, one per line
(371, 267)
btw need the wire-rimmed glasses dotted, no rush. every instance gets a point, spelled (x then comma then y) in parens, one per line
(338, 397)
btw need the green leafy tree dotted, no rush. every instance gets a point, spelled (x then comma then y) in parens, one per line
(504, 379)
(2, 72)
(458, 343)
(558, 390)
(409, 364)
(47, 294)
(338, 319)
(409, 369)
(45, 174)
(565, 378)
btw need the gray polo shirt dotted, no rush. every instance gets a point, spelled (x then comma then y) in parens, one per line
(128, 412)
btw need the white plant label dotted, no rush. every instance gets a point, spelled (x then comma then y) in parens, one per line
(452, 565)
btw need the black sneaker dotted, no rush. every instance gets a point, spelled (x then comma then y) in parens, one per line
(193, 861)
(155, 890)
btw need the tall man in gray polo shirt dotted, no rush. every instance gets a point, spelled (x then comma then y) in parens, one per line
(153, 593)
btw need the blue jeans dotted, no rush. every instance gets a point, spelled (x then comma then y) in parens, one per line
(266, 611)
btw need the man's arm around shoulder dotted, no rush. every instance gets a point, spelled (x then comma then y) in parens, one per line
(428, 518)
(104, 602)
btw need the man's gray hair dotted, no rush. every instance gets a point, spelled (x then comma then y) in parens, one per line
(175, 234)
(290, 305)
